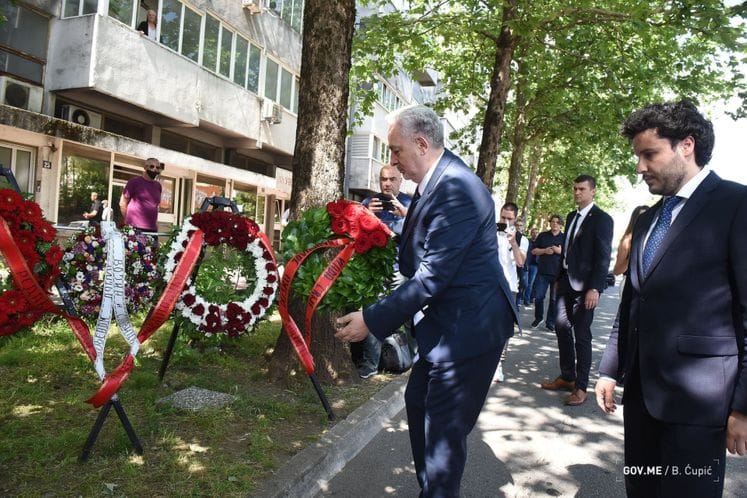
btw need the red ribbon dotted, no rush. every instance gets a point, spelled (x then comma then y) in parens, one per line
(321, 286)
(35, 295)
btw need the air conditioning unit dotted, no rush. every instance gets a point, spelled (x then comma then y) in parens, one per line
(272, 112)
(81, 116)
(252, 6)
(19, 94)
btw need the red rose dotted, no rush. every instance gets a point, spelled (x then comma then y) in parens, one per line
(362, 244)
(378, 238)
(339, 226)
(189, 299)
(368, 221)
(268, 291)
(336, 209)
(198, 310)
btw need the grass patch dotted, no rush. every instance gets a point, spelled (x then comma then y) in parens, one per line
(44, 420)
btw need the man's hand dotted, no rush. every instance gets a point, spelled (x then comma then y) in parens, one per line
(736, 433)
(592, 299)
(605, 391)
(351, 327)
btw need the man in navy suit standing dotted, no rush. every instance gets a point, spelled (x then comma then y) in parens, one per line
(678, 345)
(585, 261)
(456, 294)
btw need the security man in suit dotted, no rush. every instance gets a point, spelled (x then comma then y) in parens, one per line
(585, 261)
(456, 294)
(679, 345)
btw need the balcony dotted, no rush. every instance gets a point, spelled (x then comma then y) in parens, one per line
(99, 62)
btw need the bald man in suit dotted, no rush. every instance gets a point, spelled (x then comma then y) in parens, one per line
(456, 292)
(678, 346)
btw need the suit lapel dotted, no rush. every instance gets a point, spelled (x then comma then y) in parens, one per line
(424, 196)
(692, 207)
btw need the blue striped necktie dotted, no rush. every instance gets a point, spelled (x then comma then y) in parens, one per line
(659, 232)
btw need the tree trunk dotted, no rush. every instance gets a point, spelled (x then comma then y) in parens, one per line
(500, 83)
(319, 162)
(532, 182)
(518, 143)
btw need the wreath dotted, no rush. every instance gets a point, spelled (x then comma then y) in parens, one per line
(250, 274)
(83, 267)
(368, 272)
(35, 238)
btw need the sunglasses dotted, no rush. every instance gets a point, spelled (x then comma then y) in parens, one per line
(159, 167)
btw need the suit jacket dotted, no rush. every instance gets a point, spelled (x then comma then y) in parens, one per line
(589, 255)
(449, 252)
(685, 322)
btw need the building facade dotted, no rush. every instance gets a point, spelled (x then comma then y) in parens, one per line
(85, 98)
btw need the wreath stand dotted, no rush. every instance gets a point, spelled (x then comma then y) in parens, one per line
(69, 307)
(222, 202)
(217, 203)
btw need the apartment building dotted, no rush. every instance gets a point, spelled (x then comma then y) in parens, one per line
(85, 98)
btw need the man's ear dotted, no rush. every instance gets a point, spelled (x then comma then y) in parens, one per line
(422, 144)
(687, 146)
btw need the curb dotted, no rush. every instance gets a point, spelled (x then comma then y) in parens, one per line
(305, 474)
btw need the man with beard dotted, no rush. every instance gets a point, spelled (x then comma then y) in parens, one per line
(141, 197)
(678, 346)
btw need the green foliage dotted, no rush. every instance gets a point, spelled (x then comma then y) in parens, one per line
(362, 280)
(579, 68)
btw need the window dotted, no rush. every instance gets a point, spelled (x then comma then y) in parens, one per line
(388, 98)
(296, 87)
(210, 45)
(252, 81)
(207, 186)
(20, 162)
(23, 42)
(75, 8)
(286, 84)
(79, 177)
(271, 80)
(171, 18)
(239, 69)
(226, 44)
(291, 11)
(380, 150)
(122, 10)
(191, 34)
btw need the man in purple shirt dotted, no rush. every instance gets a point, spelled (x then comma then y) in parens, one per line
(141, 197)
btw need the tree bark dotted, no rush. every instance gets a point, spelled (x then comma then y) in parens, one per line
(518, 144)
(500, 83)
(532, 182)
(319, 163)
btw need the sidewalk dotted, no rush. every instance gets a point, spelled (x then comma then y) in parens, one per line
(526, 442)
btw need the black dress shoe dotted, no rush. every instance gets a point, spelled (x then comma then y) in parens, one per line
(536, 323)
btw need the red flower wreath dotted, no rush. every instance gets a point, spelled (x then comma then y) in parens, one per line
(35, 238)
(358, 223)
(243, 234)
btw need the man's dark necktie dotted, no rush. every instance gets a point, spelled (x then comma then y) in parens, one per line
(657, 234)
(571, 235)
(411, 208)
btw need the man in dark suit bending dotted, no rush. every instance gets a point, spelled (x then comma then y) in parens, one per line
(585, 261)
(678, 345)
(456, 294)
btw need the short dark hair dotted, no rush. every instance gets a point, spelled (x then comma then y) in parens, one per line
(586, 178)
(511, 206)
(674, 121)
(558, 217)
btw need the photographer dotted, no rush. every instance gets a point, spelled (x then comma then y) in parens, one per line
(510, 254)
(390, 206)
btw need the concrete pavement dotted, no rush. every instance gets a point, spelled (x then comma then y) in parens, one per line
(526, 442)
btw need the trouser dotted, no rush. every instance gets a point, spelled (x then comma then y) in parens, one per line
(529, 288)
(541, 284)
(573, 330)
(443, 401)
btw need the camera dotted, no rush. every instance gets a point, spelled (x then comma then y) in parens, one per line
(501, 227)
(386, 204)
